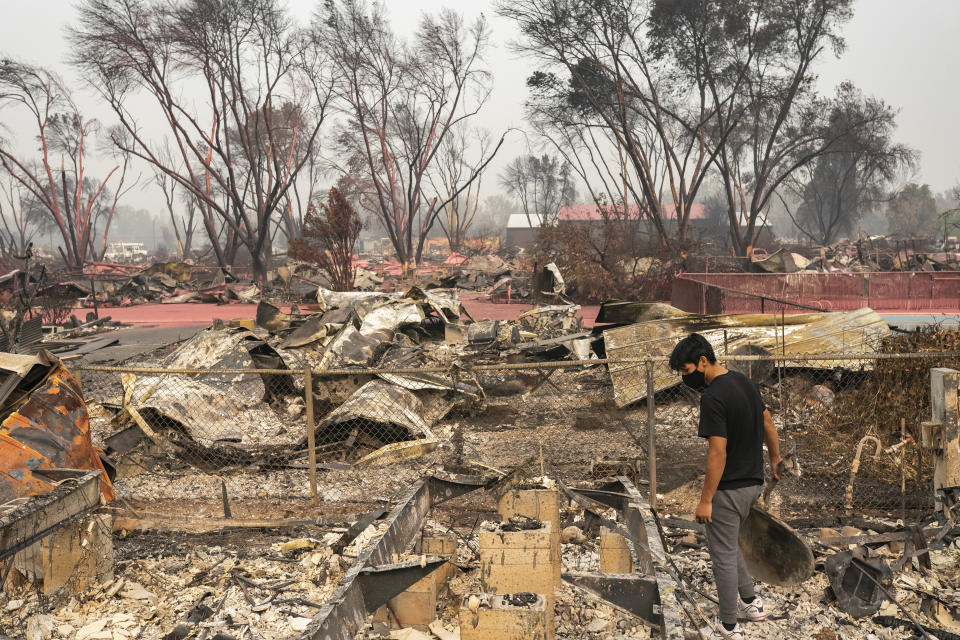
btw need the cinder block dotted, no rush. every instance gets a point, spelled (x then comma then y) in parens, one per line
(614, 553)
(503, 621)
(418, 604)
(440, 545)
(519, 561)
(540, 503)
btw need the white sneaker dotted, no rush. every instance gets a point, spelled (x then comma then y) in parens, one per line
(719, 633)
(754, 612)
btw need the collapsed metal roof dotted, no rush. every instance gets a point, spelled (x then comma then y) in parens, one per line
(829, 333)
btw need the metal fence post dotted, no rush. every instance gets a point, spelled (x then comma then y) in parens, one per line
(311, 436)
(651, 437)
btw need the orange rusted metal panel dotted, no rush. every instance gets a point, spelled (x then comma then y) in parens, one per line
(49, 429)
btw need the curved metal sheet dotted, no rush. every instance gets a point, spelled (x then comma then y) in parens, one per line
(49, 429)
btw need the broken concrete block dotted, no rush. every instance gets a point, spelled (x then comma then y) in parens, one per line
(299, 623)
(77, 556)
(850, 532)
(436, 628)
(535, 502)
(519, 561)
(505, 617)
(597, 625)
(135, 591)
(614, 553)
(90, 630)
(39, 627)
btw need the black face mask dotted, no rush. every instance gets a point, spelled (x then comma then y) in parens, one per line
(695, 380)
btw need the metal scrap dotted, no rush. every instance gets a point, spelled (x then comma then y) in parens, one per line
(44, 426)
(385, 412)
(858, 331)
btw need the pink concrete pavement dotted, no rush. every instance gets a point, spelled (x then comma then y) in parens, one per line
(189, 314)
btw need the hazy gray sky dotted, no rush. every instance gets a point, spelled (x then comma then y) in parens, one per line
(903, 52)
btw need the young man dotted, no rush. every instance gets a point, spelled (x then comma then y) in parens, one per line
(736, 423)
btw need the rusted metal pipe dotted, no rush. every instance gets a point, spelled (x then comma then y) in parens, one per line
(848, 501)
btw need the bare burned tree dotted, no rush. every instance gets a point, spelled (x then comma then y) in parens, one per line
(16, 310)
(854, 176)
(541, 184)
(403, 100)
(600, 93)
(183, 225)
(75, 204)
(18, 216)
(754, 61)
(460, 157)
(238, 151)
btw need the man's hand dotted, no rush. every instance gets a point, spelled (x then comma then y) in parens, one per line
(705, 512)
(776, 462)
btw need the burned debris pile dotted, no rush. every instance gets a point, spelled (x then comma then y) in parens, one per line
(475, 476)
(206, 403)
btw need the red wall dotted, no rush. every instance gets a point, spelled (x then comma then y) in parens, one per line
(713, 293)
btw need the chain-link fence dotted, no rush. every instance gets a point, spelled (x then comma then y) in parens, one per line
(848, 427)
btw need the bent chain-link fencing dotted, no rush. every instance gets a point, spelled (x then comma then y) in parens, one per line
(227, 442)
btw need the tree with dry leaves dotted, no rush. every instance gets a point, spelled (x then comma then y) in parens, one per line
(18, 219)
(329, 238)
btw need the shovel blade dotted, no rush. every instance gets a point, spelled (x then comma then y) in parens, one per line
(773, 551)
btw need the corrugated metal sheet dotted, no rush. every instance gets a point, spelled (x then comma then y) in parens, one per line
(47, 428)
(854, 332)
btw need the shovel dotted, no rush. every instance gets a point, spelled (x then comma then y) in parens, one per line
(773, 551)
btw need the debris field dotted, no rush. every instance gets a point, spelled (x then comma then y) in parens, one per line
(473, 479)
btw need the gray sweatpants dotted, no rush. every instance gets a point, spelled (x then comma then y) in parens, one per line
(730, 508)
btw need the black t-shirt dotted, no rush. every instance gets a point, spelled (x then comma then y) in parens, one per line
(731, 408)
